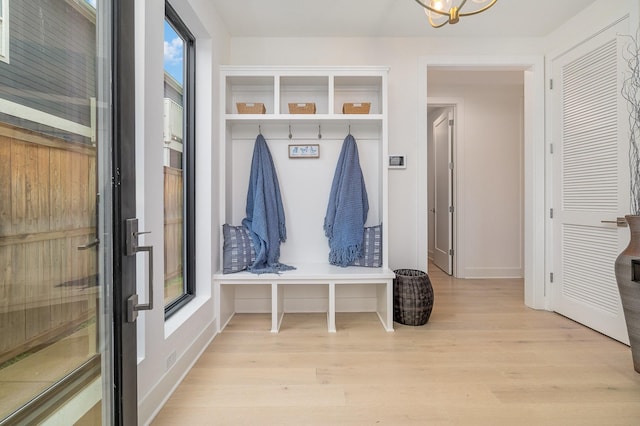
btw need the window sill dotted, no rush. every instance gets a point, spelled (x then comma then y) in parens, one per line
(182, 316)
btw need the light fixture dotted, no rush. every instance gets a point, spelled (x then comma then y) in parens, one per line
(441, 12)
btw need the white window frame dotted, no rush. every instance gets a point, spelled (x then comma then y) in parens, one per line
(4, 32)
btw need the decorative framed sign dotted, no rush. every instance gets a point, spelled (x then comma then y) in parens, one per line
(397, 162)
(304, 151)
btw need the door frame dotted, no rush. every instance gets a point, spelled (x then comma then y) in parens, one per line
(535, 294)
(125, 359)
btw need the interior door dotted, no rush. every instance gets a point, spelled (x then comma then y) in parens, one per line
(590, 183)
(443, 206)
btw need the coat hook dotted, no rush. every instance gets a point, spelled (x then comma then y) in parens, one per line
(349, 128)
(319, 132)
(259, 129)
(290, 135)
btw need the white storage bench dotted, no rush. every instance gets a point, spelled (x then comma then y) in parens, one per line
(323, 274)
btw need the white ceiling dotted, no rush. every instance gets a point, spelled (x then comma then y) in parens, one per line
(388, 18)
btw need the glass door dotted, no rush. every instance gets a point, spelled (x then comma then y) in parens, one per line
(61, 268)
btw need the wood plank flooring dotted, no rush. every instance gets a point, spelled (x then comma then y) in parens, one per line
(482, 359)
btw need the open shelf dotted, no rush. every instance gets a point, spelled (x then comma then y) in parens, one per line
(328, 89)
(250, 89)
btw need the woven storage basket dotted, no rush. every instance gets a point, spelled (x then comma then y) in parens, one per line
(302, 108)
(412, 297)
(356, 108)
(251, 108)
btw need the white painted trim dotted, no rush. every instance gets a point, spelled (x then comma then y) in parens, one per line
(150, 405)
(31, 114)
(422, 201)
(183, 315)
(534, 161)
(496, 273)
(4, 33)
(549, 236)
(291, 70)
(534, 187)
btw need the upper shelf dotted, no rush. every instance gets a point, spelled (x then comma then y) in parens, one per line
(301, 118)
(329, 89)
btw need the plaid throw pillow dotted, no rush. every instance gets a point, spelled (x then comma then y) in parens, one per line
(372, 250)
(237, 250)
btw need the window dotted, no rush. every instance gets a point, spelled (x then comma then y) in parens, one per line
(179, 162)
(4, 30)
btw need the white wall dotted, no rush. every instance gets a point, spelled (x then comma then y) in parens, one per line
(491, 224)
(590, 21)
(305, 184)
(402, 56)
(183, 336)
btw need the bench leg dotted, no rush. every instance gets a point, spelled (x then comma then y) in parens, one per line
(225, 304)
(277, 307)
(385, 304)
(331, 315)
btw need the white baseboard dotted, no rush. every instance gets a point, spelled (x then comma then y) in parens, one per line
(150, 406)
(483, 273)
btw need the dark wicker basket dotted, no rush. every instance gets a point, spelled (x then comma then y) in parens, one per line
(412, 297)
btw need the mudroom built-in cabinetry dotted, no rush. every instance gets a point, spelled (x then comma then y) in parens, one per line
(305, 146)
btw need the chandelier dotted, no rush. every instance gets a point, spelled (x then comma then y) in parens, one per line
(441, 12)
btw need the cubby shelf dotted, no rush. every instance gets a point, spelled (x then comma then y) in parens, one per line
(328, 88)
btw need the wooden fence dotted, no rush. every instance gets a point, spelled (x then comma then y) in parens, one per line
(47, 209)
(173, 232)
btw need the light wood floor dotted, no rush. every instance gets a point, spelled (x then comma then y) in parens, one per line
(483, 359)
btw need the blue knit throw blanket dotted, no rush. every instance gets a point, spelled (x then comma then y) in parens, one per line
(348, 207)
(265, 213)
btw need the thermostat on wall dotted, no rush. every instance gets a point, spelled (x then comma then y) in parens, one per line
(397, 162)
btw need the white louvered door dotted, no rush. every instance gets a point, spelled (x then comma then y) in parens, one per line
(589, 183)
